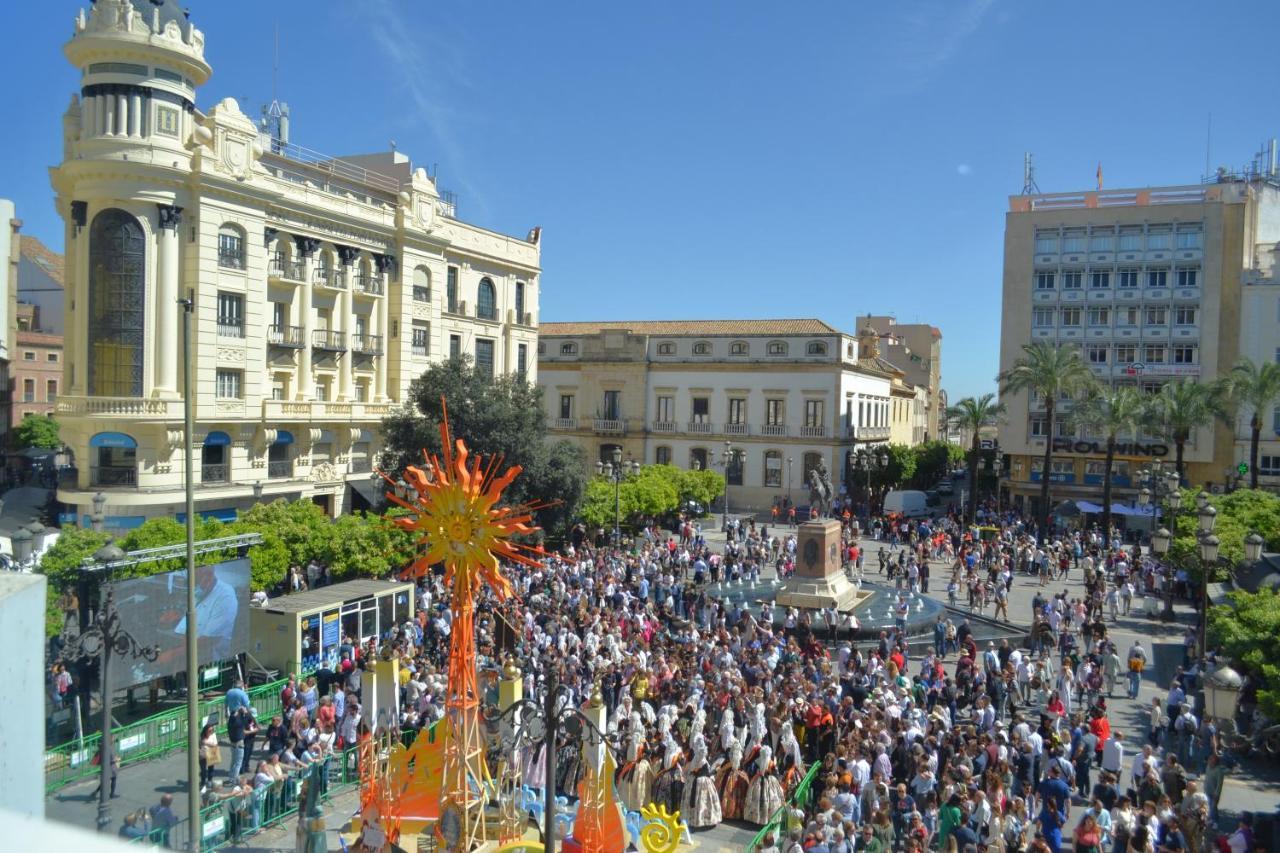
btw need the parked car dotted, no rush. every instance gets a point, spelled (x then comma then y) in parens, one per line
(945, 488)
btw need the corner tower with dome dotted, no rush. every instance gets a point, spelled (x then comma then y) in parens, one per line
(322, 287)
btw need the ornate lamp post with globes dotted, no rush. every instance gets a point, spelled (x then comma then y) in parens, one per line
(868, 460)
(617, 471)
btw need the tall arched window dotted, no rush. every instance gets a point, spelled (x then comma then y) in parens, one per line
(117, 305)
(421, 284)
(520, 303)
(486, 300)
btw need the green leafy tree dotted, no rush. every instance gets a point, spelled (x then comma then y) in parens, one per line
(1248, 631)
(1183, 407)
(1240, 513)
(497, 416)
(1049, 372)
(35, 431)
(62, 564)
(1254, 388)
(972, 414)
(1113, 412)
(934, 460)
(703, 486)
(901, 469)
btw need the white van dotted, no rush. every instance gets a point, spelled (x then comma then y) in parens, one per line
(909, 503)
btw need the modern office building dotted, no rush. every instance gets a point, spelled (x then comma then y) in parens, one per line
(1147, 284)
(1260, 342)
(319, 286)
(789, 394)
(916, 350)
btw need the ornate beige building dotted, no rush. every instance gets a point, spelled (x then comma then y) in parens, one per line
(320, 286)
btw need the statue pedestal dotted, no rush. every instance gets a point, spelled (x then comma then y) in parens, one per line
(819, 580)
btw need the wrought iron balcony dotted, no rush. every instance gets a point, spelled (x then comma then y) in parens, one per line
(230, 258)
(279, 470)
(663, 426)
(327, 340)
(333, 279)
(367, 344)
(113, 475)
(286, 269)
(285, 336)
(214, 473)
(369, 283)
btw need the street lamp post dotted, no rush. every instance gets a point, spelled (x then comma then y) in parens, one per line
(617, 471)
(1162, 486)
(528, 722)
(103, 639)
(732, 456)
(790, 496)
(97, 521)
(868, 460)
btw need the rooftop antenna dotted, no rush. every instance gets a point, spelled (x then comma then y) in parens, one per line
(275, 118)
(1029, 186)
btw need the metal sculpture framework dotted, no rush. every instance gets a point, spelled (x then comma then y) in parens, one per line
(454, 510)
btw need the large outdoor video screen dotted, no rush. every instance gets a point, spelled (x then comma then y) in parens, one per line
(154, 611)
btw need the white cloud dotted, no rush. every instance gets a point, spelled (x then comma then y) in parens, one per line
(964, 169)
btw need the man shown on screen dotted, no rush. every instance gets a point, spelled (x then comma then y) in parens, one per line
(216, 611)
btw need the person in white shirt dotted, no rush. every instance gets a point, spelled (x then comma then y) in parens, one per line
(1113, 754)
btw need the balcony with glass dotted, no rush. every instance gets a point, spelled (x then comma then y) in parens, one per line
(330, 278)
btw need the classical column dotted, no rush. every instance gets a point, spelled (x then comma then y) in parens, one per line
(122, 116)
(386, 265)
(306, 247)
(135, 114)
(167, 294)
(345, 320)
(88, 117)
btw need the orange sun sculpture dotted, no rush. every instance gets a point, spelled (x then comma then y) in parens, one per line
(455, 511)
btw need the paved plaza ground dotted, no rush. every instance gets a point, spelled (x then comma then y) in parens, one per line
(1250, 787)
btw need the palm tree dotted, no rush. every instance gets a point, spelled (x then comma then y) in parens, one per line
(972, 415)
(1112, 412)
(1048, 371)
(1256, 388)
(1181, 408)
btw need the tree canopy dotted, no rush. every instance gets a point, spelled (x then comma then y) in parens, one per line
(1248, 631)
(1240, 513)
(656, 491)
(35, 431)
(497, 416)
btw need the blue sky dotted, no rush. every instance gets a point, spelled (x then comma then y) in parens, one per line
(727, 159)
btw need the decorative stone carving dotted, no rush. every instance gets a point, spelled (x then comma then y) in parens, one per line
(325, 472)
(307, 246)
(170, 216)
(819, 580)
(348, 255)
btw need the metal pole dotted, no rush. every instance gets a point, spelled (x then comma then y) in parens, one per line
(617, 508)
(193, 658)
(104, 751)
(1204, 609)
(549, 761)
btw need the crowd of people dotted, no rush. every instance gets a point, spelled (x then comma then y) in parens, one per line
(719, 709)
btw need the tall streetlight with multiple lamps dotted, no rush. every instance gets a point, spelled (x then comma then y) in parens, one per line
(1162, 486)
(867, 460)
(617, 471)
(732, 456)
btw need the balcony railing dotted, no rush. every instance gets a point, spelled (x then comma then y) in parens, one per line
(230, 330)
(359, 465)
(664, 426)
(456, 306)
(334, 279)
(865, 433)
(737, 429)
(774, 430)
(564, 423)
(214, 473)
(369, 283)
(289, 270)
(279, 470)
(231, 258)
(523, 318)
(609, 426)
(367, 344)
(327, 340)
(124, 407)
(285, 336)
(813, 432)
(113, 476)
(700, 427)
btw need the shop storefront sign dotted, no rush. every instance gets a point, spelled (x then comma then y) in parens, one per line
(1124, 448)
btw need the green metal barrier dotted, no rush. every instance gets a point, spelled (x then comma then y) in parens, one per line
(149, 738)
(778, 822)
(235, 819)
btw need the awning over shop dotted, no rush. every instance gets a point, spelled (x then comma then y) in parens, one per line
(283, 436)
(217, 438)
(113, 439)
